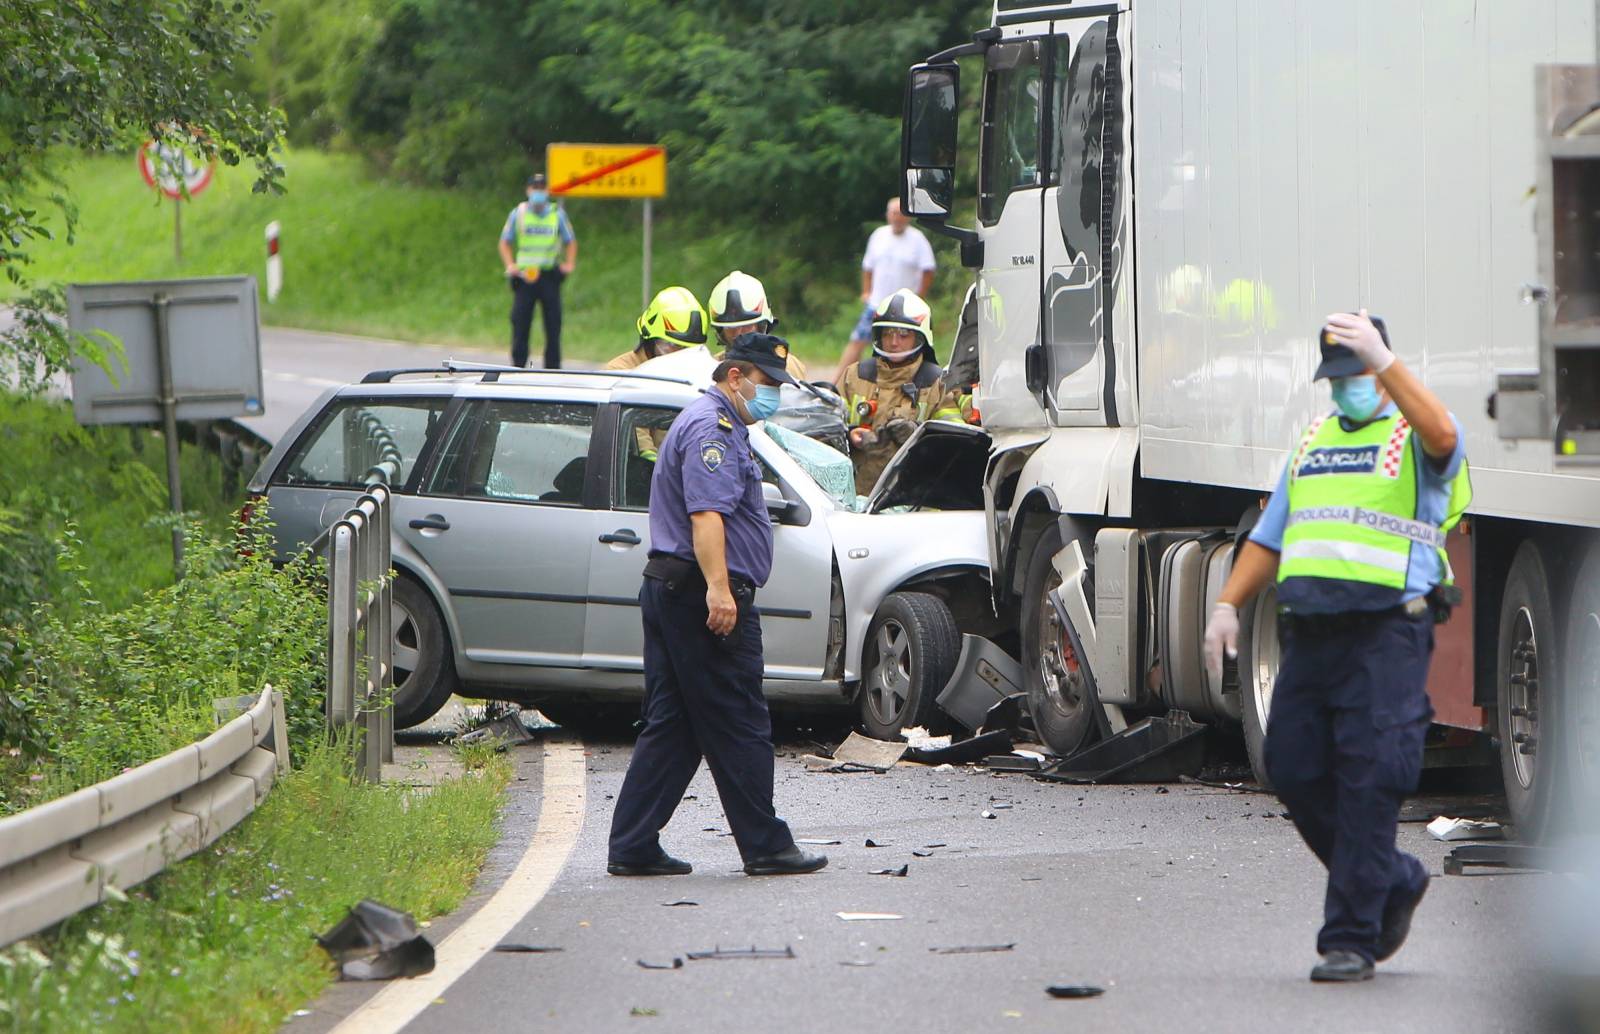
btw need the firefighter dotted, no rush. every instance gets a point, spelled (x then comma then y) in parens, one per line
(894, 389)
(1354, 536)
(673, 320)
(739, 306)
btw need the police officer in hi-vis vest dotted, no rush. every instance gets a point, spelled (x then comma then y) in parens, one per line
(1354, 534)
(539, 251)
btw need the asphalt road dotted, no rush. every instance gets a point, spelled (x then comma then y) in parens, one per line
(1194, 908)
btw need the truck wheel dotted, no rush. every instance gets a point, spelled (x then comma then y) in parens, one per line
(424, 668)
(1582, 694)
(910, 652)
(1058, 690)
(1258, 673)
(1527, 694)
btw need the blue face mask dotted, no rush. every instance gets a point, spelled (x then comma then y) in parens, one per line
(1356, 397)
(538, 197)
(764, 404)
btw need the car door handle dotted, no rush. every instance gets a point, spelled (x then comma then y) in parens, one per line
(432, 522)
(623, 536)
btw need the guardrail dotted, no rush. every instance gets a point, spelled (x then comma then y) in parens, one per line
(360, 622)
(59, 858)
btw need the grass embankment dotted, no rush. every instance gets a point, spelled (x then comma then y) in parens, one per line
(223, 941)
(110, 481)
(87, 688)
(364, 255)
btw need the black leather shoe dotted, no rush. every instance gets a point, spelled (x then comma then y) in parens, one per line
(666, 865)
(792, 862)
(1341, 967)
(1397, 924)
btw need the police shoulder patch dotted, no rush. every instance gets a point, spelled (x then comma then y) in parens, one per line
(712, 454)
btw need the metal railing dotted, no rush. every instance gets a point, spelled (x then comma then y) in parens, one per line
(60, 858)
(360, 627)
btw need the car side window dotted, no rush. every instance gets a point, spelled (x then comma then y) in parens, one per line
(354, 438)
(639, 436)
(524, 452)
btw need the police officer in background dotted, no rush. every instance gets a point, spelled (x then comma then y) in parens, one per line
(1355, 536)
(539, 251)
(711, 549)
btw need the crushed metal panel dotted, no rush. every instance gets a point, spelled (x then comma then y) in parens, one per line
(984, 676)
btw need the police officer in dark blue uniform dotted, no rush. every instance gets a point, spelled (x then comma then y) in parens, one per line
(1354, 535)
(711, 542)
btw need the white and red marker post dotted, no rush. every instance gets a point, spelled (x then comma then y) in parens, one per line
(274, 263)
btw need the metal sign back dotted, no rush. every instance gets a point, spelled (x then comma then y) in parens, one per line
(606, 170)
(213, 334)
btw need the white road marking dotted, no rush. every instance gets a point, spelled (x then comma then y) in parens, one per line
(300, 378)
(560, 820)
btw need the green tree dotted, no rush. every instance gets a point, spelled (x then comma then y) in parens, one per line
(87, 75)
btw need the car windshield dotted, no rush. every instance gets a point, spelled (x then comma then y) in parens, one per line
(828, 467)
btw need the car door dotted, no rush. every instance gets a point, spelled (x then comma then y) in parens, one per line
(503, 519)
(620, 541)
(328, 467)
(793, 604)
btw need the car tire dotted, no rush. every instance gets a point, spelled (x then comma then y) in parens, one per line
(911, 649)
(425, 667)
(1528, 695)
(1059, 695)
(1259, 660)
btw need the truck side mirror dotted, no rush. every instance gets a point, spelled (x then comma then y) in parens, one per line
(928, 141)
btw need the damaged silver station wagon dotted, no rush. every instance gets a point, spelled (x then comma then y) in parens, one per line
(521, 532)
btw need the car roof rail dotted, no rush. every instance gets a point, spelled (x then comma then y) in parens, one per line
(492, 371)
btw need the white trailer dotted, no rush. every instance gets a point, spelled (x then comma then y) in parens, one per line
(1171, 196)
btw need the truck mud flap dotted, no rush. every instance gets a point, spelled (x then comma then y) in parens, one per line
(1072, 609)
(985, 675)
(1156, 750)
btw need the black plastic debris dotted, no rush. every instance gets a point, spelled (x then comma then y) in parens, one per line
(972, 949)
(1156, 750)
(1503, 856)
(904, 870)
(676, 963)
(922, 854)
(518, 948)
(1074, 991)
(503, 732)
(376, 942)
(965, 752)
(873, 843)
(817, 842)
(1012, 763)
(1010, 715)
(685, 903)
(719, 952)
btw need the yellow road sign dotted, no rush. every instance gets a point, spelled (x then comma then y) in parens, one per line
(606, 170)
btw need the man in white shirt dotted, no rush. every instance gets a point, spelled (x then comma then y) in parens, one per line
(898, 256)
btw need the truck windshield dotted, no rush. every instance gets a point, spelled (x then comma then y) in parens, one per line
(1011, 98)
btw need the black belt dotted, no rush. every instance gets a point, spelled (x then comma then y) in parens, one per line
(679, 573)
(1352, 620)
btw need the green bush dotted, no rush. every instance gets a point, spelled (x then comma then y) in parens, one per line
(83, 698)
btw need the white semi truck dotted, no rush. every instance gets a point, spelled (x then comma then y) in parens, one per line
(1171, 195)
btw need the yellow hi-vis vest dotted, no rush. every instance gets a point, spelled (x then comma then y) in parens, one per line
(1353, 515)
(538, 236)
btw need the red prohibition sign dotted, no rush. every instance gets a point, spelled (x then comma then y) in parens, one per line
(171, 169)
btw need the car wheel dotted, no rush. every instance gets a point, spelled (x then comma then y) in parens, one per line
(424, 667)
(1527, 694)
(1258, 672)
(911, 649)
(1058, 690)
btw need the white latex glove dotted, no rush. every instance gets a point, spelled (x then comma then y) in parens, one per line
(1358, 334)
(1222, 633)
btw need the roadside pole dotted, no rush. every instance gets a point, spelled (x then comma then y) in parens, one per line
(169, 426)
(177, 230)
(644, 293)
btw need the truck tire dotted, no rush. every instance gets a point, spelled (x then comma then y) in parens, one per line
(911, 649)
(424, 667)
(1258, 673)
(1527, 694)
(1058, 692)
(1581, 730)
